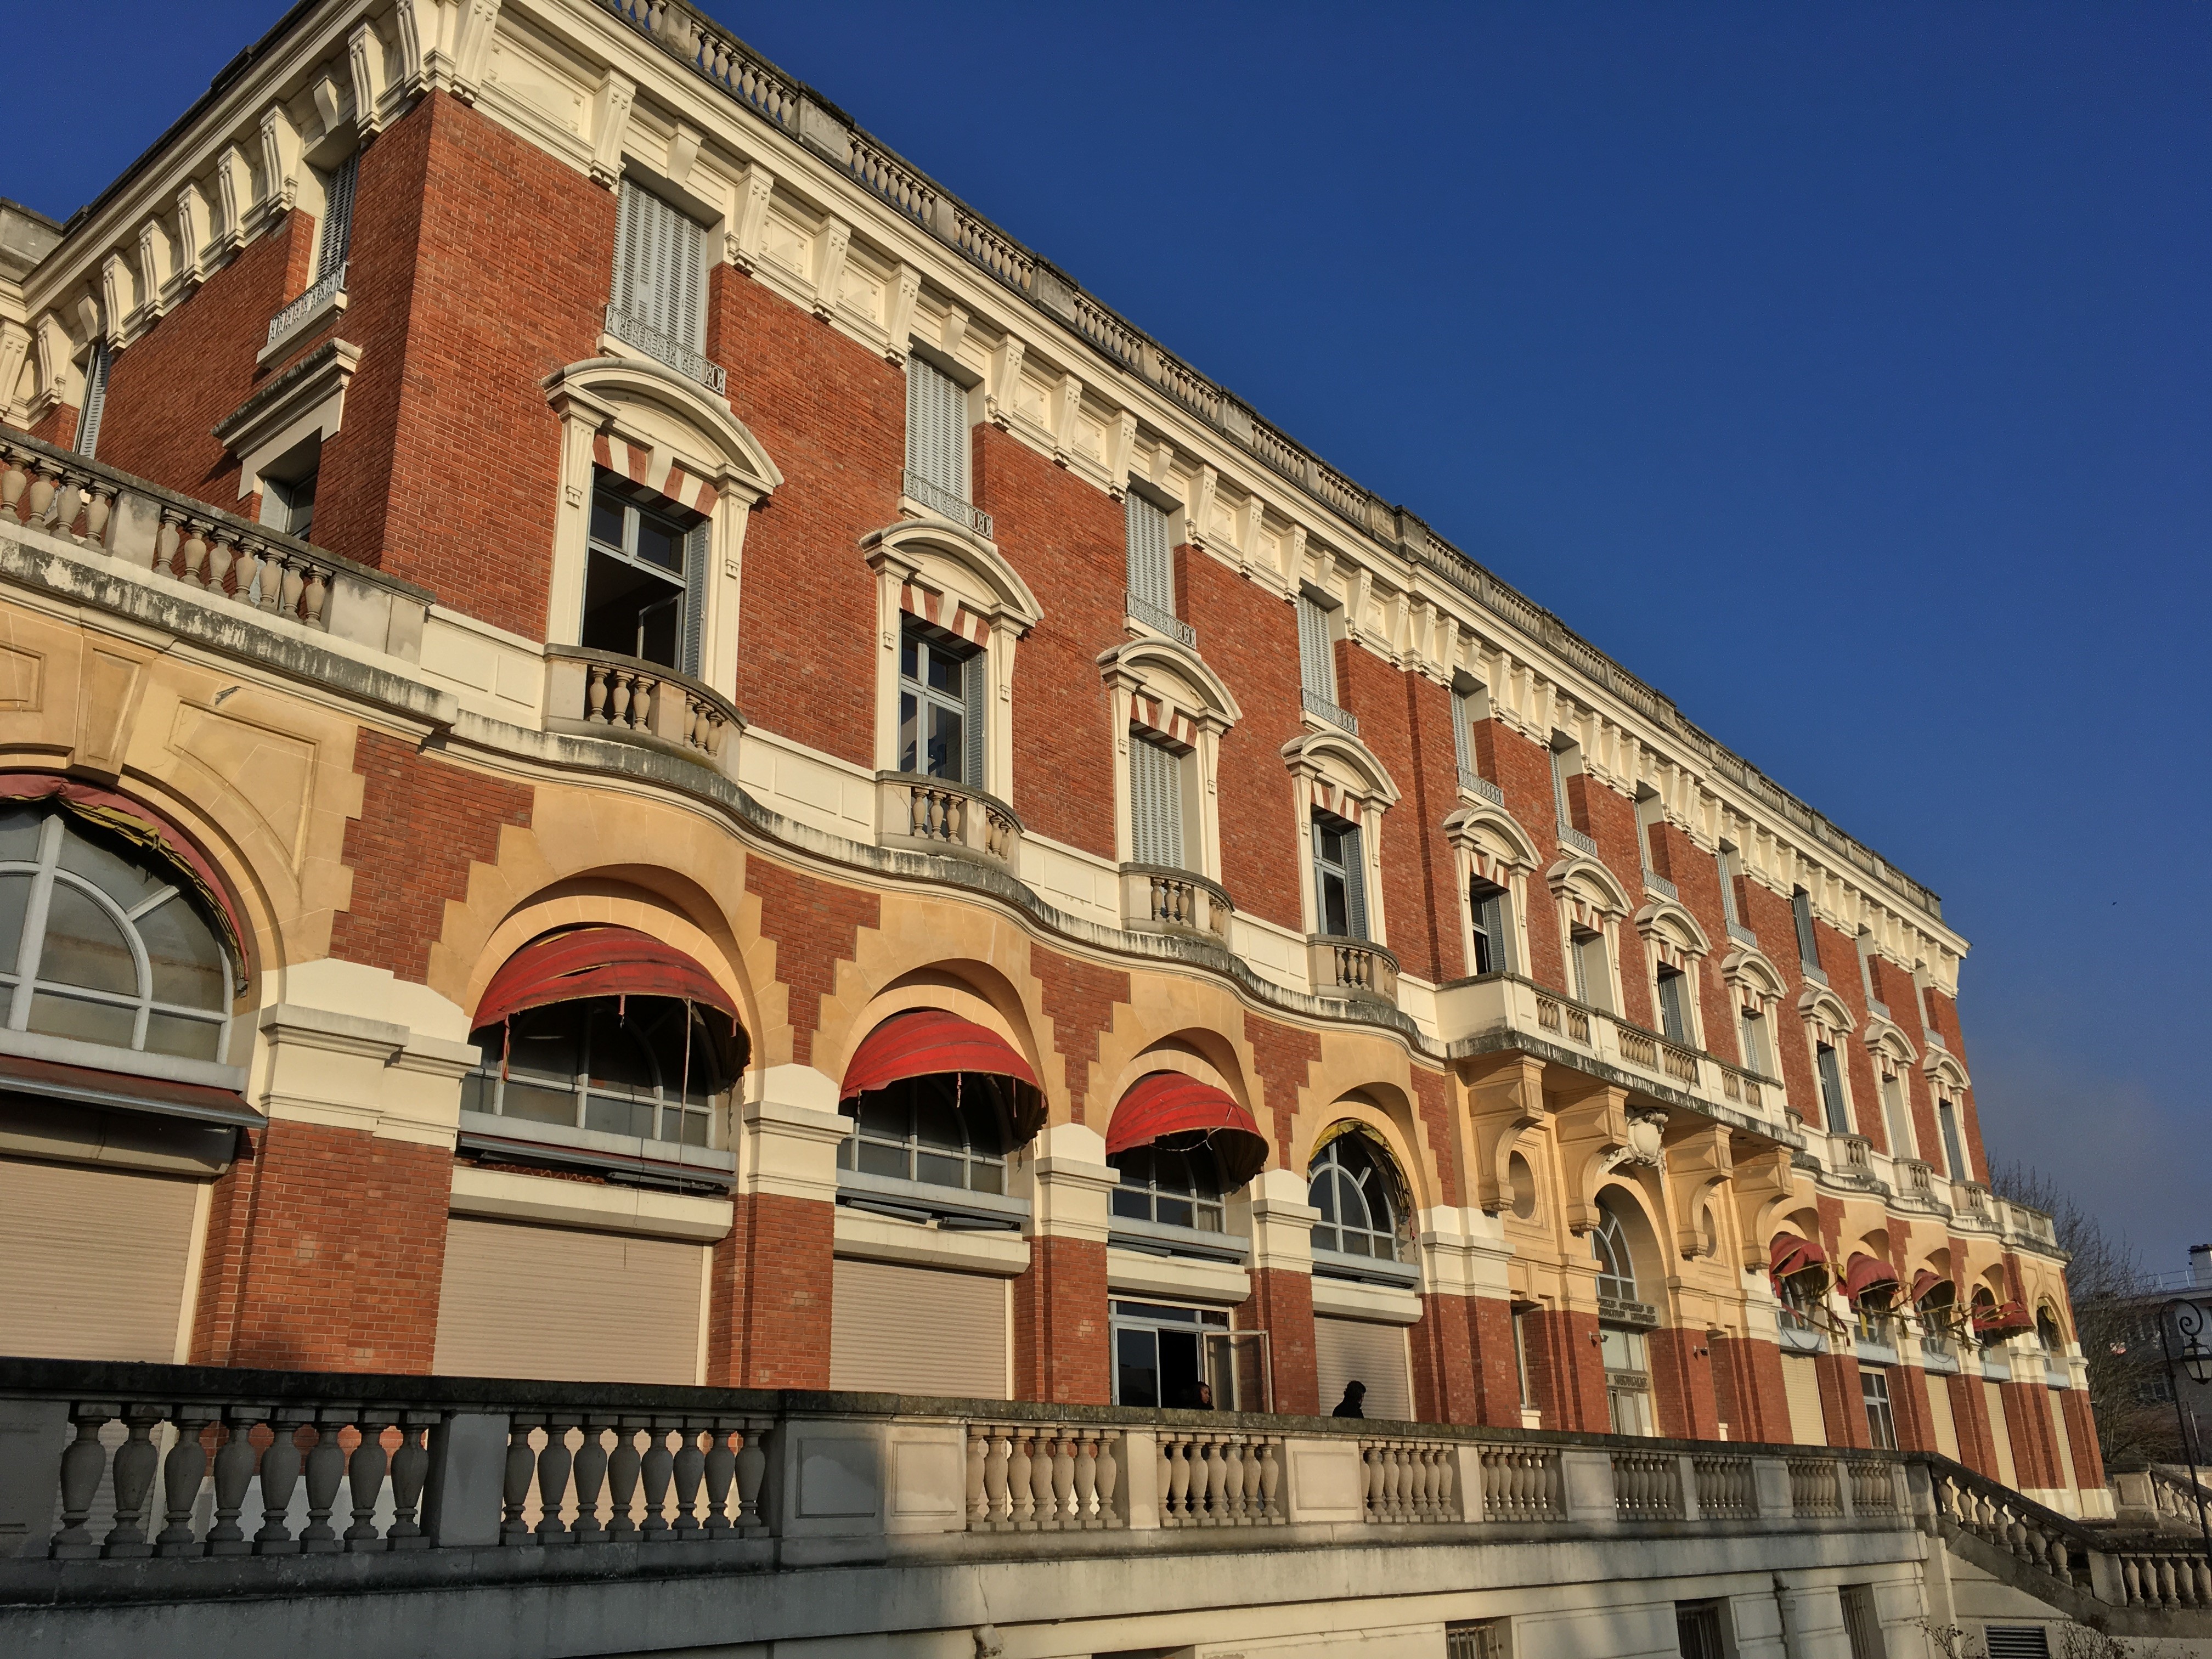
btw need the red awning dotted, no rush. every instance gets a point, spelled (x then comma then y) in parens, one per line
(925, 1041)
(1926, 1284)
(595, 962)
(1789, 1256)
(1163, 1104)
(1866, 1277)
(2005, 1319)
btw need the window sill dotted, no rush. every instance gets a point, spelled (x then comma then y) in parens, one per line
(1364, 1269)
(1164, 1238)
(953, 1207)
(1996, 1370)
(1794, 1339)
(1875, 1353)
(651, 1162)
(128, 1063)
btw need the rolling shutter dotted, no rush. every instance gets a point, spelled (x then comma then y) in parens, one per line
(1155, 803)
(567, 1305)
(95, 1262)
(937, 428)
(338, 219)
(917, 1330)
(1801, 1389)
(1151, 562)
(1353, 1350)
(1316, 671)
(659, 252)
(1939, 1410)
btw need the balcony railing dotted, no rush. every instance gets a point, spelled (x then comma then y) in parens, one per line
(328, 292)
(1322, 710)
(692, 364)
(938, 814)
(1742, 935)
(1355, 968)
(1161, 622)
(1653, 882)
(937, 498)
(603, 693)
(1155, 898)
(1475, 784)
(1576, 839)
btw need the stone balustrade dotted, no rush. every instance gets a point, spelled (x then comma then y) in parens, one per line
(603, 694)
(110, 1462)
(138, 530)
(936, 814)
(1156, 899)
(1357, 969)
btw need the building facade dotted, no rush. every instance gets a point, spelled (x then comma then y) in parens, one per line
(543, 563)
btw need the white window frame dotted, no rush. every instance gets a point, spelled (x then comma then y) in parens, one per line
(1195, 709)
(1335, 772)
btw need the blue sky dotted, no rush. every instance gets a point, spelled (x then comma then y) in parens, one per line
(1843, 371)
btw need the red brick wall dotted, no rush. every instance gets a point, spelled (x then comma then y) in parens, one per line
(1496, 1373)
(1697, 877)
(1908, 1403)
(421, 824)
(169, 387)
(832, 416)
(1682, 1384)
(447, 471)
(1281, 1055)
(1405, 718)
(768, 1323)
(2034, 1443)
(814, 925)
(1062, 1345)
(1767, 914)
(1523, 772)
(1839, 956)
(57, 426)
(1566, 1373)
(1943, 1015)
(1748, 1393)
(1612, 823)
(1970, 1417)
(1079, 999)
(1281, 1304)
(2081, 1439)
(1249, 637)
(1070, 543)
(1442, 1343)
(1842, 1407)
(325, 1250)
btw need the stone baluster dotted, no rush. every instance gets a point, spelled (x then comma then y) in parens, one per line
(99, 508)
(555, 1460)
(1110, 1478)
(168, 537)
(136, 1462)
(1371, 1458)
(722, 1474)
(979, 1456)
(315, 599)
(521, 1469)
(14, 478)
(1217, 1479)
(997, 1501)
(1175, 1477)
(364, 1472)
(233, 1473)
(1087, 1511)
(1256, 1481)
(248, 572)
(290, 585)
(1228, 1450)
(1021, 1499)
(281, 1465)
(658, 1468)
(44, 481)
(83, 1460)
(1069, 1514)
(595, 693)
(195, 552)
(691, 1472)
(590, 1472)
(182, 1472)
(1040, 1477)
(222, 554)
(623, 1467)
(410, 1471)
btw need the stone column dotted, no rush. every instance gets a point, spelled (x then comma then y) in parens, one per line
(1272, 1212)
(769, 1312)
(1063, 1349)
(1464, 1370)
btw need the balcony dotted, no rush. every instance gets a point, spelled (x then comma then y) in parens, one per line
(1742, 935)
(1474, 783)
(1916, 1183)
(601, 694)
(1322, 710)
(578, 1518)
(935, 499)
(1160, 621)
(1577, 841)
(936, 814)
(1355, 969)
(325, 299)
(671, 353)
(1655, 883)
(1156, 899)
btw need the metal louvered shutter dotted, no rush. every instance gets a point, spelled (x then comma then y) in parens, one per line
(1152, 559)
(1801, 1392)
(1861, 1624)
(1462, 707)
(2017, 1641)
(659, 252)
(1355, 880)
(1155, 803)
(567, 1304)
(95, 1262)
(975, 692)
(917, 1330)
(1800, 910)
(937, 428)
(694, 594)
(1316, 672)
(337, 217)
(95, 399)
(1354, 1351)
(1489, 916)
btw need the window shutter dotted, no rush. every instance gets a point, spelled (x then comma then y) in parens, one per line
(1809, 949)
(1489, 916)
(1948, 1115)
(338, 218)
(975, 691)
(659, 252)
(1560, 790)
(95, 400)
(626, 249)
(1355, 880)
(1727, 889)
(1151, 561)
(1831, 1090)
(1155, 803)
(694, 593)
(1462, 740)
(937, 428)
(1316, 671)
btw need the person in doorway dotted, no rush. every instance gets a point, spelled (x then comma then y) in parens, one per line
(1200, 1398)
(1349, 1406)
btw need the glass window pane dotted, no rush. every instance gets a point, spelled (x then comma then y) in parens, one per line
(986, 1177)
(659, 543)
(876, 1158)
(126, 881)
(936, 1122)
(1327, 1238)
(939, 1170)
(1175, 1211)
(1136, 1206)
(617, 1057)
(1336, 914)
(19, 833)
(14, 894)
(909, 656)
(884, 1114)
(476, 1092)
(187, 963)
(1209, 1218)
(543, 1042)
(944, 745)
(1137, 1367)
(1322, 1194)
(694, 1128)
(536, 1104)
(944, 673)
(87, 1022)
(607, 519)
(84, 946)
(909, 732)
(191, 1039)
(619, 1117)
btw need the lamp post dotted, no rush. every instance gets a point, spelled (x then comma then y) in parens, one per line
(2184, 1318)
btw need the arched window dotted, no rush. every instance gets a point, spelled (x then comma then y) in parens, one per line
(1616, 1267)
(647, 1066)
(101, 944)
(946, 1129)
(1352, 1187)
(1175, 1181)
(2047, 1334)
